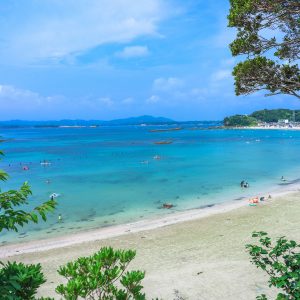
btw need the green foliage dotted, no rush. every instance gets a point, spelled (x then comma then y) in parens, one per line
(280, 261)
(102, 276)
(240, 120)
(10, 214)
(272, 58)
(19, 281)
(273, 115)
(261, 73)
(3, 175)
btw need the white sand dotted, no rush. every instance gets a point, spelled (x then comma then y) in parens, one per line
(118, 230)
(174, 249)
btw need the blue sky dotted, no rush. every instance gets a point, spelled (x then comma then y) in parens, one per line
(106, 59)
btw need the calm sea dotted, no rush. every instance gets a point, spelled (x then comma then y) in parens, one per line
(113, 175)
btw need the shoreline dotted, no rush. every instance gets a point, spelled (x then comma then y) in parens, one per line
(263, 128)
(104, 233)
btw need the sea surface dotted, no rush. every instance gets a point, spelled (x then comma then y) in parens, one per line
(113, 175)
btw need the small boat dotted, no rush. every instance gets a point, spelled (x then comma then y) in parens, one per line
(45, 163)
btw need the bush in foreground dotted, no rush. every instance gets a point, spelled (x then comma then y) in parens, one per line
(280, 261)
(102, 276)
(19, 281)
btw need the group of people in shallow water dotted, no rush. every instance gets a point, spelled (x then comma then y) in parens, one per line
(254, 201)
(244, 184)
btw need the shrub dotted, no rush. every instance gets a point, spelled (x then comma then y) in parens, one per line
(102, 276)
(280, 261)
(19, 281)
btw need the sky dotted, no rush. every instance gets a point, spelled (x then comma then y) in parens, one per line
(107, 59)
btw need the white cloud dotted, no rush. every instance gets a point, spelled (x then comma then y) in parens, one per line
(107, 101)
(14, 97)
(153, 99)
(168, 84)
(21, 103)
(8, 92)
(133, 51)
(228, 62)
(221, 75)
(128, 100)
(54, 29)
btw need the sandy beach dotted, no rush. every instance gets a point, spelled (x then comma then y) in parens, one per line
(198, 254)
(268, 127)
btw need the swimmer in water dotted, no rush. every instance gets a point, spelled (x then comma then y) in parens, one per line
(59, 218)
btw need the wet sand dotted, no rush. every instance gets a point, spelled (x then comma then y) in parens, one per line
(203, 258)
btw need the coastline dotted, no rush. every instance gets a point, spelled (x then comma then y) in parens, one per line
(263, 128)
(209, 251)
(154, 223)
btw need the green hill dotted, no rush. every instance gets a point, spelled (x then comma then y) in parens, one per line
(240, 120)
(273, 115)
(265, 115)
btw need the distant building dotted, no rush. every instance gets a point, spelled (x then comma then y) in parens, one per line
(283, 121)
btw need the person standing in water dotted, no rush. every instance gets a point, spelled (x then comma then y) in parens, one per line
(59, 218)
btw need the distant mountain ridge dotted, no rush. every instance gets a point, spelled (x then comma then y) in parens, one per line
(146, 119)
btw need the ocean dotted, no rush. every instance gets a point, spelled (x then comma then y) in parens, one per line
(118, 174)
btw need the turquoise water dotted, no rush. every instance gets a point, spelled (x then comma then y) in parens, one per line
(102, 181)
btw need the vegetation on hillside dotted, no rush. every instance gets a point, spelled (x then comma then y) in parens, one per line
(240, 120)
(273, 115)
(268, 35)
(265, 115)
